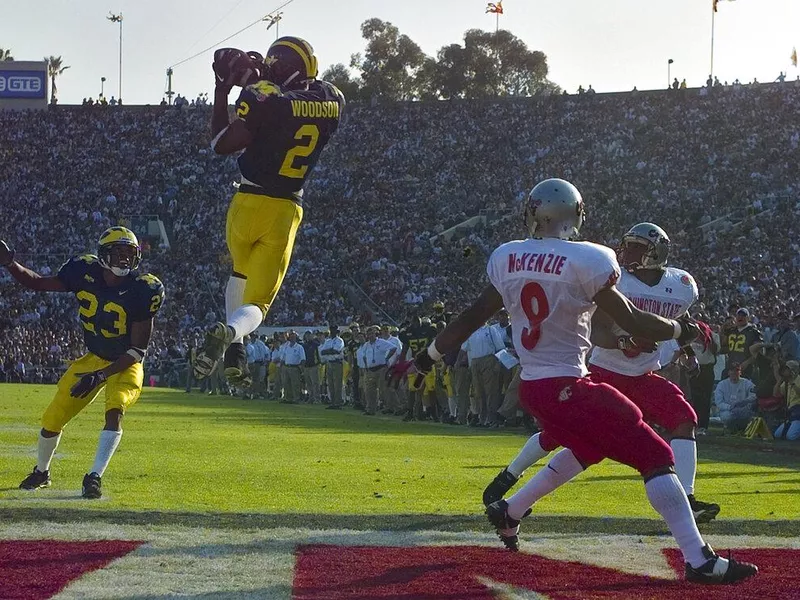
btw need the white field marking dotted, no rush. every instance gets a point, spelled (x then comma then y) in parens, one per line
(24, 427)
(16, 497)
(260, 563)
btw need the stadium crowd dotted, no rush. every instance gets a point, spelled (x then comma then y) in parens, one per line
(718, 170)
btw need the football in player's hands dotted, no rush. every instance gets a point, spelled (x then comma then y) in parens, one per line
(6, 254)
(234, 67)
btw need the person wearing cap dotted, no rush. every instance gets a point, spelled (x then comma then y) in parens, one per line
(311, 367)
(274, 375)
(261, 355)
(702, 386)
(481, 348)
(332, 354)
(736, 344)
(294, 356)
(735, 398)
(788, 387)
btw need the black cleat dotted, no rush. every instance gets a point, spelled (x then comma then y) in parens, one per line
(37, 479)
(719, 571)
(499, 487)
(236, 370)
(217, 337)
(703, 511)
(91, 486)
(506, 527)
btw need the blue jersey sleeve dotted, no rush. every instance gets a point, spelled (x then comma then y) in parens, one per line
(74, 272)
(149, 297)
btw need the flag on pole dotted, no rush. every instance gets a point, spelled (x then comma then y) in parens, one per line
(794, 57)
(717, 2)
(495, 8)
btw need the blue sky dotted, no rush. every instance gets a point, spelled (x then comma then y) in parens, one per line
(611, 44)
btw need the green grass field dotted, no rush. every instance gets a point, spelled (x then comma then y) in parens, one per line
(190, 453)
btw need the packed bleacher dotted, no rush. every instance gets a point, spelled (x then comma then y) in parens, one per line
(719, 170)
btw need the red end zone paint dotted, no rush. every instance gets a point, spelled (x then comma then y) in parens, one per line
(33, 570)
(454, 572)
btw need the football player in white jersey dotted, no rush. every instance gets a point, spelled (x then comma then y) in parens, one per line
(628, 363)
(551, 287)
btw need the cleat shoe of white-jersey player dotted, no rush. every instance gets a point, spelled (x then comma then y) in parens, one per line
(499, 487)
(703, 512)
(506, 527)
(718, 570)
(217, 339)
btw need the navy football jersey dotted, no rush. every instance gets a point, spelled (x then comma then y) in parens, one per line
(290, 129)
(105, 312)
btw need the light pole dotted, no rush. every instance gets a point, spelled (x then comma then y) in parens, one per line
(118, 19)
(669, 72)
(102, 87)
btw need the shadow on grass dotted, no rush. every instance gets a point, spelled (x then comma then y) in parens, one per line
(425, 522)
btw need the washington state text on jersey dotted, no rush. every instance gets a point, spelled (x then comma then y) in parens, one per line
(669, 310)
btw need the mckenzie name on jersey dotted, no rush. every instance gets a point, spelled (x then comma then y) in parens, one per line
(670, 298)
(105, 312)
(289, 129)
(548, 286)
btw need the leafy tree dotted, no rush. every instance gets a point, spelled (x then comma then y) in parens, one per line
(5, 55)
(339, 75)
(390, 64)
(55, 69)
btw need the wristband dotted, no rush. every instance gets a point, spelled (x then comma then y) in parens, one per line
(677, 330)
(434, 353)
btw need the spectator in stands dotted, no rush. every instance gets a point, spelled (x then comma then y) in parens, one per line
(735, 398)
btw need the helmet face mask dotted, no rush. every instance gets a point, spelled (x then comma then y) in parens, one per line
(119, 251)
(644, 246)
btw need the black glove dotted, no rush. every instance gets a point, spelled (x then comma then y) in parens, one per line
(87, 383)
(690, 330)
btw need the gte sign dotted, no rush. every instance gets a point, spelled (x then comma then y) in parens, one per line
(22, 84)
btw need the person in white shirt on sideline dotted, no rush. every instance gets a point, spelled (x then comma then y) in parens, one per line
(735, 398)
(250, 353)
(485, 369)
(376, 352)
(294, 356)
(332, 353)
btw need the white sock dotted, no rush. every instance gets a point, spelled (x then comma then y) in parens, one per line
(685, 452)
(452, 404)
(46, 450)
(668, 498)
(109, 440)
(530, 454)
(234, 297)
(561, 468)
(245, 320)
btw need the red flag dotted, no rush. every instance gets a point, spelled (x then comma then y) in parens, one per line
(496, 8)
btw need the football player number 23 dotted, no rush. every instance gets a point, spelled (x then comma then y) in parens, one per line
(88, 309)
(534, 303)
(308, 136)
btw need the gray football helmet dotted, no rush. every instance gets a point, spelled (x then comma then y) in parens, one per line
(644, 246)
(554, 209)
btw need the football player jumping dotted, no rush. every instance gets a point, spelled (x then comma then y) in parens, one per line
(551, 287)
(285, 116)
(117, 309)
(628, 363)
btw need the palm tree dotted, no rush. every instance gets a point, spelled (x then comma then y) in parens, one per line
(54, 69)
(5, 54)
